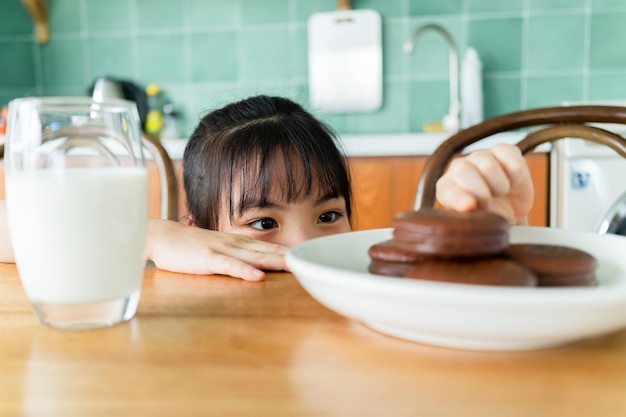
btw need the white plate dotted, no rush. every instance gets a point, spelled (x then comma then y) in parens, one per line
(333, 270)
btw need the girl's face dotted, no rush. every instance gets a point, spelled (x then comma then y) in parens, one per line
(288, 223)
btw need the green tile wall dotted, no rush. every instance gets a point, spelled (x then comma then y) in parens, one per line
(205, 53)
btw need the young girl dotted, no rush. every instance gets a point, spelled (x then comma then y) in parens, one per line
(265, 168)
(260, 175)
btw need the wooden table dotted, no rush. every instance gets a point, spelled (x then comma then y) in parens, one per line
(223, 347)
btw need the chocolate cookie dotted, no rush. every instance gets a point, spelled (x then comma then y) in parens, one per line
(388, 268)
(386, 251)
(556, 266)
(450, 234)
(492, 271)
(388, 260)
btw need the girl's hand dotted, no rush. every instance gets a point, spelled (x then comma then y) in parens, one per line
(496, 180)
(175, 247)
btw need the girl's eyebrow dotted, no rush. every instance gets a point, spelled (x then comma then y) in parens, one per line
(328, 196)
(258, 203)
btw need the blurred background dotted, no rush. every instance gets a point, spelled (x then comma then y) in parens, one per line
(205, 53)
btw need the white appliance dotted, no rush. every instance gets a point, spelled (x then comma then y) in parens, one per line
(587, 185)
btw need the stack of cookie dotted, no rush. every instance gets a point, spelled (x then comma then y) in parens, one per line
(473, 248)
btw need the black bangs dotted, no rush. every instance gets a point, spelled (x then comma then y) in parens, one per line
(276, 161)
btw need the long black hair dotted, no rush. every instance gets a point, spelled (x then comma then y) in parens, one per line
(263, 144)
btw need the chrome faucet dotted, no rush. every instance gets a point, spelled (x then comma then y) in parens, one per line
(451, 120)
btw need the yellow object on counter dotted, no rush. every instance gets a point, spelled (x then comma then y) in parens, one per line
(153, 90)
(431, 127)
(154, 118)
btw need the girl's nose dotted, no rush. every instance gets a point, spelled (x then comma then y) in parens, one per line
(297, 235)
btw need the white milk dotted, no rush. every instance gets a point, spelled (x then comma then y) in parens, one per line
(78, 235)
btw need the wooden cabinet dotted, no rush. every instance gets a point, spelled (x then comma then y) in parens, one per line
(1, 179)
(384, 186)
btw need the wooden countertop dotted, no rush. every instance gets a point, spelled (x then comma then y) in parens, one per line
(219, 346)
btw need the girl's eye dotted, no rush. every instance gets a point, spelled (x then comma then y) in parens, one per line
(328, 217)
(265, 223)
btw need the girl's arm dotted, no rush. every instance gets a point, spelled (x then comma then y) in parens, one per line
(497, 180)
(176, 247)
(6, 252)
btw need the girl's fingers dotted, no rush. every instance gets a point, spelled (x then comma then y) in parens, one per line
(268, 256)
(497, 180)
(239, 263)
(484, 174)
(269, 261)
(227, 265)
(512, 162)
(451, 196)
(465, 175)
(491, 171)
(179, 248)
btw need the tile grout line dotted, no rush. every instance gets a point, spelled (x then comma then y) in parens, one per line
(238, 28)
(405, 118)
(523, 73)
(187, 50)
(84, 40)
(586, 51)
(134, 44)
